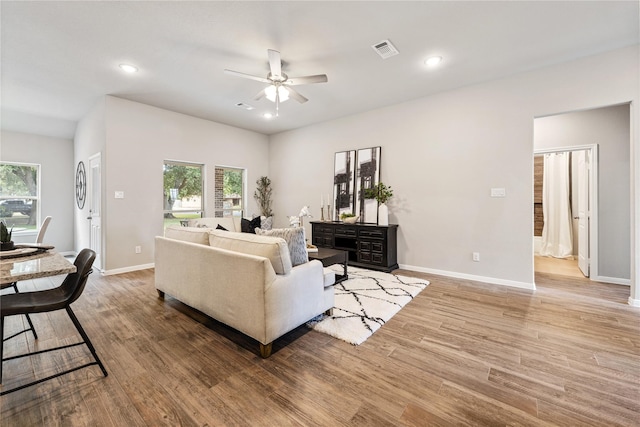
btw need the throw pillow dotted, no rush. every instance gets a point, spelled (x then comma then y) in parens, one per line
(249, 226)
(295, 241)
(266, 222)
(219, 227)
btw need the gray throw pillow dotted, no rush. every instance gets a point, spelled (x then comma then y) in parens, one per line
(266, 222)
(295, 241)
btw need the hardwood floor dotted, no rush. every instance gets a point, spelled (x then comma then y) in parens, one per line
(461, 353)
(563, 267)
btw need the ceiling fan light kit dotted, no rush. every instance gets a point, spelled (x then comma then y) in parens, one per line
(279, 89)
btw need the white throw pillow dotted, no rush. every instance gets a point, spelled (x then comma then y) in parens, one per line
(295, 240)
(188, 234)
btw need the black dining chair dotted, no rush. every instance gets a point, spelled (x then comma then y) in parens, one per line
(51, 300)
(39, 238)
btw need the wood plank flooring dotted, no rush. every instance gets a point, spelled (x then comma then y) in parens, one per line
(461, 353)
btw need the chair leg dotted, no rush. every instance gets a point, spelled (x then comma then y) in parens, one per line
(35, 336)
(86, 339)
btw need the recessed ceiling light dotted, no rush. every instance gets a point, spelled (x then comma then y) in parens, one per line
(433, 61)
(128, 68)
(267, 115)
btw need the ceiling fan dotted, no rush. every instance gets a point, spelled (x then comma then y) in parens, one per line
(279, 89)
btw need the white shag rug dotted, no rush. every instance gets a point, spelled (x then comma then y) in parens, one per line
(365, 302)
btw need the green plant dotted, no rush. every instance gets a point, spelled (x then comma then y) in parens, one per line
(5, 234)
(380, 192)
(346, 215)
(263, 195)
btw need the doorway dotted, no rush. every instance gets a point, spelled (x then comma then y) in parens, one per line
(565, 211)
(95, 208)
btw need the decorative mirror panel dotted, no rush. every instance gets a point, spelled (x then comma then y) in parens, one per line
(367, 176)
(343, 183)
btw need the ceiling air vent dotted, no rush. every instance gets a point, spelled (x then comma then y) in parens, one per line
(245, 106)
(385, 49)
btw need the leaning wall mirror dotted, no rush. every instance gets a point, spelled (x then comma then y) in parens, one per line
(367, 176)
(343, 183)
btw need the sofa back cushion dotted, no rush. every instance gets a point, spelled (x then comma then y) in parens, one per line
(295, 241)
(273, 248)
(188, 234)
(227, 222)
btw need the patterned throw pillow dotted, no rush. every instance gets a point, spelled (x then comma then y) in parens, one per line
(295, 241)
(249, 226)
(266, 222)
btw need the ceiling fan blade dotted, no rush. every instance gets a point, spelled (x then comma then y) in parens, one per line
(246, 76)
(305, 80)
(260, 95)
(295, 95)
(275, 63)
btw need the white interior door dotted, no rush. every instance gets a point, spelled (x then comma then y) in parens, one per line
(95, 208)
(583, 158)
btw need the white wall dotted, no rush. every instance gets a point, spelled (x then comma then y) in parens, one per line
(89, 140)
(442, 154)
(57, 175)
(609, 128)
(138, 140)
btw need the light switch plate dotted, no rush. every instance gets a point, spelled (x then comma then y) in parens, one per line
(498, 192)
(119, 195)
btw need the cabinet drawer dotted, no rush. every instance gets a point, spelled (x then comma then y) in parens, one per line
(346, 232)
(372, 233)
(322, 229)
(377, 247)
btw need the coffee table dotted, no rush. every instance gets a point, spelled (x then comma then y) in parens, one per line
(332, 256)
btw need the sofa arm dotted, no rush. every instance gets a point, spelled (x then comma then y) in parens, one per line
(295, 298)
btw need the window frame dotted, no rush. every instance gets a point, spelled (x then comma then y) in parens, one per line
(239, 213)
(37, 197)
(201, 210)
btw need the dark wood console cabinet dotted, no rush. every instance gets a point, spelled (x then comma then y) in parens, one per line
(369, 245)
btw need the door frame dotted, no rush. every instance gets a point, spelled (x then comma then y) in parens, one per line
(593, 200)
(100, 258)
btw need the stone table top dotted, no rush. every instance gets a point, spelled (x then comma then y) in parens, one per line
(32, 267)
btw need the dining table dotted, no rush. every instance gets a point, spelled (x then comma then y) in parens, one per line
(32, 265)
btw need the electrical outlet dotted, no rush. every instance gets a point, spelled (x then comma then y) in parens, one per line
(138, 249)
(476, 256)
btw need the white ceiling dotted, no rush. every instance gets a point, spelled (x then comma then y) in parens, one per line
(59, 58)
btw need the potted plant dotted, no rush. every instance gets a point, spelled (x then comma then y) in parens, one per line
(348, 218)
(6, 244)
(262, 195)
(382, 194)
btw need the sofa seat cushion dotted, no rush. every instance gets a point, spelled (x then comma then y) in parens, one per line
(273, 248)
(295, 241)
(188, 234)
(329, 277)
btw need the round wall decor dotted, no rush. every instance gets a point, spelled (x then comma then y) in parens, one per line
(81, 185)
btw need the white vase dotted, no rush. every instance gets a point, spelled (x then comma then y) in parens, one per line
(383, 214)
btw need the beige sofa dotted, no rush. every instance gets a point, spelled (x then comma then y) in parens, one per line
(243, 280)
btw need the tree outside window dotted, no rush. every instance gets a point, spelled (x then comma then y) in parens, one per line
(183, 195)
(19, 195)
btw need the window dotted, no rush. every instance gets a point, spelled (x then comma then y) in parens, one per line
(20, 195)
(183, 191)
(229, 192)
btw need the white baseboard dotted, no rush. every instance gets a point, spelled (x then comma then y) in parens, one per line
(634, 302)
(614, 280)
(127, 269)
(484, 279)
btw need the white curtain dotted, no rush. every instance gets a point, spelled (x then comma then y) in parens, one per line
(557, 240)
